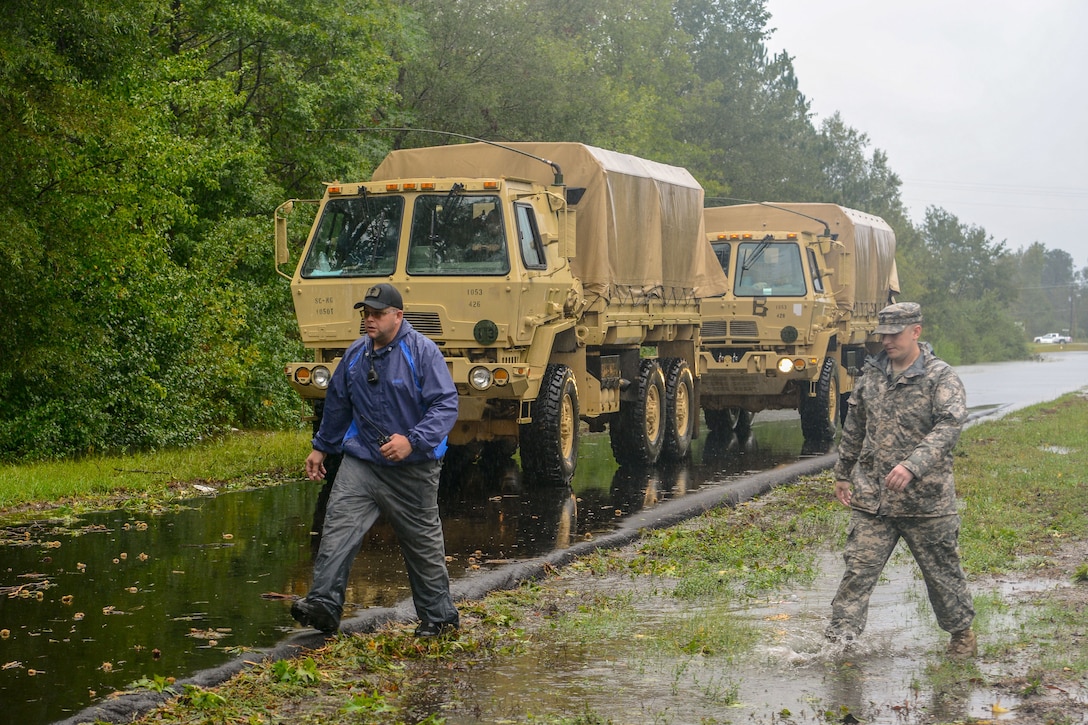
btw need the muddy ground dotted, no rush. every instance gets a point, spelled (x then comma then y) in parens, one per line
(648, 657)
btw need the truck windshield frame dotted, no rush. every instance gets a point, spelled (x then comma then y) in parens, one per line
(769, 269)
(458, 234)
(357, 236)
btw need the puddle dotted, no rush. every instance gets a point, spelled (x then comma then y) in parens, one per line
(791, 676)
(94, 604)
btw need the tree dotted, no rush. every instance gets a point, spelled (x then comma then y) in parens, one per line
(746, 126)
(148, 143)
(970, 286)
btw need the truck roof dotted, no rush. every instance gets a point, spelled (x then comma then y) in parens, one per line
(867, 239)
(639, 223)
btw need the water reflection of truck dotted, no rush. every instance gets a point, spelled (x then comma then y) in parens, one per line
(806, 283)
(562, 283)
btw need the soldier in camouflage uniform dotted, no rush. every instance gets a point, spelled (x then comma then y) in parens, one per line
(895, 473)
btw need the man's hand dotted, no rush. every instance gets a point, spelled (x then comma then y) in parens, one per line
(899, 478)
(397, 449)
(315, 465)
(842, 492)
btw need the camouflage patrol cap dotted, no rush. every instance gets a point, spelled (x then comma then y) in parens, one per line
(893, 319)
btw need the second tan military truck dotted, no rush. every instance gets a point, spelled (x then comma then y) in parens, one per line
(805, 284)
(561, 281)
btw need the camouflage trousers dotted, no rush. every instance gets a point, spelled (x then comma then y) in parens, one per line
(934, 543)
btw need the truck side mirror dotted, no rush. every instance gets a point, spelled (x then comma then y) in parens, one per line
(283, 256)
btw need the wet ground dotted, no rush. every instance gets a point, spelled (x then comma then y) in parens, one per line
(895, 674)
(90, 605)
(96, 603)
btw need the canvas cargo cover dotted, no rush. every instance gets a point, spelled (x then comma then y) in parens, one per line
(639, 223)
(868, 241)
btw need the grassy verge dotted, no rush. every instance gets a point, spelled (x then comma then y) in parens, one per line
(240, 460)
(1024, 485)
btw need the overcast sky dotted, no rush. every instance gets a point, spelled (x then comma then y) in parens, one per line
(981, 105)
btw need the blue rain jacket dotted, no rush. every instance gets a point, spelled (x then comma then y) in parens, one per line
(414, 396)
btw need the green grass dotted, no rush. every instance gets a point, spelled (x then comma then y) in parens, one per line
(1023, 481)
(236, 460)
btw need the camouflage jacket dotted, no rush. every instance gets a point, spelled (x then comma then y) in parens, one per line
(914, 420)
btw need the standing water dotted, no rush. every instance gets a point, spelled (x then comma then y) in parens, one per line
(91, 605)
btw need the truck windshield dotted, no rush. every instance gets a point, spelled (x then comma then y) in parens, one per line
(456, 234)
(356, 237)
(769, 270)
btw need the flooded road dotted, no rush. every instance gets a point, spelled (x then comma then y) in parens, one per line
(94, 604)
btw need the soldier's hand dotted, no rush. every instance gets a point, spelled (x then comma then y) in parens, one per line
(842, 492)
(899, 478)
(397, 449)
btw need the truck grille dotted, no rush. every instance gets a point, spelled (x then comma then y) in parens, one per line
(744, 328)
(717, 328)
(429, 323)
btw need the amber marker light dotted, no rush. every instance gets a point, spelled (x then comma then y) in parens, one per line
(302, 376)
(502, 377)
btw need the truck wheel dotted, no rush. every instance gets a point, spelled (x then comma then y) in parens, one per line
(549, 444)
(638, 431)
(820, 413)
(680, 409)
(718, 419)
(742, 424)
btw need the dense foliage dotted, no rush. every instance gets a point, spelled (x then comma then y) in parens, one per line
(147, 142)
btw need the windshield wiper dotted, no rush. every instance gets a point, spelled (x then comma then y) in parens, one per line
(757, 253)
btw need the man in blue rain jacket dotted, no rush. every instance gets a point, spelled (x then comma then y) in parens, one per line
(390, 405)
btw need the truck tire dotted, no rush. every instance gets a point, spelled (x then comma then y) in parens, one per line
(742, 422)
(680, 409)
(737, 420)
(820, 413)
(718, 419)
(549, 444)
(638, 430)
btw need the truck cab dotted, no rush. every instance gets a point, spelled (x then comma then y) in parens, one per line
(805, 284)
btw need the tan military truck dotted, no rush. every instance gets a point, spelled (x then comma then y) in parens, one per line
(805, 284)
(562, 283)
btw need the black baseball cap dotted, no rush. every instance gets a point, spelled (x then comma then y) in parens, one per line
(381, 296)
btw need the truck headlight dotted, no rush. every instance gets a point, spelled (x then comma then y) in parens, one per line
(321, 376)
(785, 365)
(480, 378)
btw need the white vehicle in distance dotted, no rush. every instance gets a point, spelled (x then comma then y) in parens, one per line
(1054, 337)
